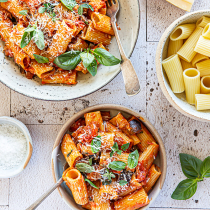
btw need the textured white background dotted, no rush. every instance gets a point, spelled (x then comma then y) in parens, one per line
(44, 119)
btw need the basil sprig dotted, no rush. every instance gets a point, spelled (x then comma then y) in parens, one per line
(33, 32)
(133, 159)
(108, 175)
(115, 148)
(86, 6)
(48, 8)
(125, 146)
(123, 182)
(70, 4)
(41, 59)
(23, 12)
(195, 170)
(71, 59)
(85, 168)
(3, 0)
(117, 165)
(96, 144)
(91, 183)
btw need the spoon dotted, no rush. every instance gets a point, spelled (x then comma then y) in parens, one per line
(44, 196)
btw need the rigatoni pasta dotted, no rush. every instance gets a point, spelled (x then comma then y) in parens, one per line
(203, 21)
(205, 85)
(206, 31)
(198, 58)
(204, 67)
(202, 102)
(185, 64)
(174, 46)
(203, 46)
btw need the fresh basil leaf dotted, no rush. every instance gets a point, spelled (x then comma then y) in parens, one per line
(205, 168)
(41, 59)
(108, 175)
(124, 147)
(26, 38)
(68, 60)
(117, 165)
(96, 144)
(91, 161)
(3, 0)
(119, 152)
(39, 39)
(86, 22)
(23, 12)
(91, 183)
(190, 165)
(69, 153)
(105, 58)
(85, 168)
(185, 189)
(30, 29)
(42, 9)
(123, 182)
(70, 4)
(82, 6)
(133, 159)
(87, 58)
(111, 153)
(92, 68)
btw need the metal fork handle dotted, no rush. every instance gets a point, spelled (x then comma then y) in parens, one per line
(132, 85)
(44, 196)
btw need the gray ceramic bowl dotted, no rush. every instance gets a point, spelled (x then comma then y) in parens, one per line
(58, 160)
(178, 100)
(129, 21)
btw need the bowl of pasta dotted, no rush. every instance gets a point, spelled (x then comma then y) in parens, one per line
(183, 65)
(57, 50)
(116, 159)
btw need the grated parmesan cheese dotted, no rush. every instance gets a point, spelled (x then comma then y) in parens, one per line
(13, 146)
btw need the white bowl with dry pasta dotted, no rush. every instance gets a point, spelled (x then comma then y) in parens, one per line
(183, 64)
(15, 147)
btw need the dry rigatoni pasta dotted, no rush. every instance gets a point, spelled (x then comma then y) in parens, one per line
(198, 58)
(203, 46)
(182, 32)
(185, 64)
(192, 84)
(174, 46)
(202, 101)
(206, 31)
(205, 85)
(203, 21)
(204, 68)
(174, 71)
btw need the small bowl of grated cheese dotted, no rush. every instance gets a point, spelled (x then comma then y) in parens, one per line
(15, 147)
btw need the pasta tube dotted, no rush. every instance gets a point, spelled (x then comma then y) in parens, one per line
(185, 64)
(205, 85)
(202, 101)
(133, 201)
(102, 23)
(69, 150)
(182, 32)
(192, 84)
(187, 52)
(204, 68)
(206, 31)
(203, 46)
(174, 46)
(75, 181)
(153, 175)
(198, 58)
(203, 21)
(173, 68)
(107, 140)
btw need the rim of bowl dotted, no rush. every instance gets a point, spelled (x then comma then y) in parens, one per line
(24, 129)
(158, 62)
(116, 107)
(117, 72)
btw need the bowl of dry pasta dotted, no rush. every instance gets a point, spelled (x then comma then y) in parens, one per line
(116, 159)
(183, 64)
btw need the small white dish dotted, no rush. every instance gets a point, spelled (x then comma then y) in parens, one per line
(128, 20)
(16, 170)
(178, 101)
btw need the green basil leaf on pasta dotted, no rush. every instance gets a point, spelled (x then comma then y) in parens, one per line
(39, 39)
(124, 147)
(3, 0)
(42, 9)
(117, 165)
(41, 59)
(123, 182)
(70, 4)
(133, 159)
(26, 38)
(86, 6)
(96, 144)
(185, 189)
(105, 58)
(205, 168)
(23, 12)
(91, 183)
(84, 168)
(92, 68)
(108, 175)
(87, 58)
(190, 165)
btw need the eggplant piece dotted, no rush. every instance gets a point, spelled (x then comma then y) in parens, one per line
(125, 175)
(135, 126)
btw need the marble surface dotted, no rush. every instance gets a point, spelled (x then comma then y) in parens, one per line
(44, 119)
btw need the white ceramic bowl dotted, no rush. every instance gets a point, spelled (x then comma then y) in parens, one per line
(16, 170)
(129, 21)
(58, 160)
(178, 100)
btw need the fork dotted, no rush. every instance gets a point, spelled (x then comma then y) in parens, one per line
(131, 80)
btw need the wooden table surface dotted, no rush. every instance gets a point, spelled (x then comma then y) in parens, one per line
(44, 119)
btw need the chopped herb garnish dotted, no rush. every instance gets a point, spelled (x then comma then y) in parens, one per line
(91, 183)
(108, 175)
(123, 182)
(125, 146)
(115, 148)
(69, 153)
